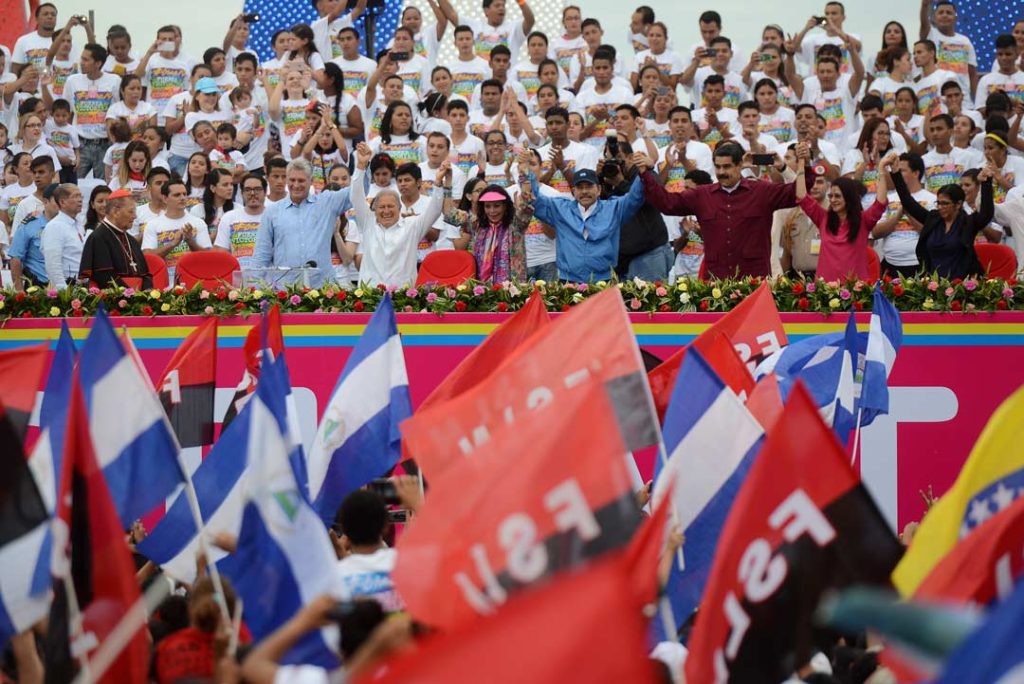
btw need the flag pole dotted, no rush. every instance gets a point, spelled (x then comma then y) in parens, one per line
(75, 613)
(125, 630)
(856, 438)
(204, 549)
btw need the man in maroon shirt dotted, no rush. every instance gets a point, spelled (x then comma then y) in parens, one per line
(735, 214)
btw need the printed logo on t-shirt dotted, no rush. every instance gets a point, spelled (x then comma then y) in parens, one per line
(466, 161)
(355, 81)
(59, 76)
(412, 79)
(464, 83)
(402, 152)
(165, 83)
(485, 42)
(780, 129)
(831, 109)
(530, 82)
(998, 193)
(166, 237)
(36, 56)
(91, 107)
(243, 238)
(293, 117)
(566, 56)
(938, 175)
(926, 98)
(676, 178)
(952, 56)
(60, 141)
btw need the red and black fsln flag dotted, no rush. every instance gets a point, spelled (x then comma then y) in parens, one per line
(188, 385)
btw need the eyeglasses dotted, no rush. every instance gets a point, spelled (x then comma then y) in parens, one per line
(944, 203)
(252, 191)
(34, 125)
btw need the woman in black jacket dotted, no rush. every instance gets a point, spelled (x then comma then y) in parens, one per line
(946, 243)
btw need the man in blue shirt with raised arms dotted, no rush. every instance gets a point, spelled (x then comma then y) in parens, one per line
(587, 227)
(296, 232)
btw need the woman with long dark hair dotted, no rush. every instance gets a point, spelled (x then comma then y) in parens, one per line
(398, 139)
(97, 207)
(496, 226)
(893, 35)
(218, 196)
(304, 53)
(843, 227)
(861, 164)
(344, 111)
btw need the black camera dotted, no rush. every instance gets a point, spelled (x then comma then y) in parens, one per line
(251, 18)
(386, 489)
(398, 56)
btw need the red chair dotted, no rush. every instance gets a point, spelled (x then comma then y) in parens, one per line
(446, 267)
(874, 266)
(212, 268)
(158, 269)
(998, 261)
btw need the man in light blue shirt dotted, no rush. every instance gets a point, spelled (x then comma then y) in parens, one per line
(587, 228)
(296, 231)
(26, 252)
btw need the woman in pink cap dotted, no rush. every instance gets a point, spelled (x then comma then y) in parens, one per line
(496, 226)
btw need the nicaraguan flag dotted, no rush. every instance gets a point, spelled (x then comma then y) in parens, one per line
(358, 438)
(284, 557)
(711, 439)
(885, 337)
(133, 441)
(827, 364)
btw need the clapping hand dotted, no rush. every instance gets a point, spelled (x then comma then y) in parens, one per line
(442, 173)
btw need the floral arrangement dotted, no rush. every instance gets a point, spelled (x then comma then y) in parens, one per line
(683, 296)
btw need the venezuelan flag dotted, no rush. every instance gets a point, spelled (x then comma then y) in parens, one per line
(988, 483)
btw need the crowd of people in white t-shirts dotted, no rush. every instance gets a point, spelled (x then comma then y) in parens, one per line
(182, 130)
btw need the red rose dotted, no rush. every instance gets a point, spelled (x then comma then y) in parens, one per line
(755, 281)
(460, 306)
(342, 295)
(955, 281)
(282, 295)
(1002, 305)
(113, 312)
(955, 305)
(703, 306)
(803, 304)
(887, 279)
(664, 308)
(358, 306)
(19, 297)
(27, 314)
(1012, 281)
(859, 306)
(147, 311)
(221, 295)
(496, 287)
(239, 306)
(77, 313)
(897, 290)
(565, 307)
(382, 287)
(502, 306)
(657, 283)
(798, 288)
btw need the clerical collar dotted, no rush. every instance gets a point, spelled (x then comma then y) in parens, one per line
(108, 224)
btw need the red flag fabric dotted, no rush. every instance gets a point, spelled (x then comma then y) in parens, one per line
(549, 492)
(188, 384)
(90, 551)
(594, 340)
(491, 353)
(765, 401)
(801, 524)
(582, 627)
(644, 552)
(21, 374)
(754, 328)
(15, 23)
(987, 563)
(253, 351)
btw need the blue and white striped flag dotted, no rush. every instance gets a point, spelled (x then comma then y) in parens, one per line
(358, 438)
(711, 439)
(885, 336)
(284, 558)
(135, 445)
(827, 364)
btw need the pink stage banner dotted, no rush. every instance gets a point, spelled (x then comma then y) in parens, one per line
(951, 374)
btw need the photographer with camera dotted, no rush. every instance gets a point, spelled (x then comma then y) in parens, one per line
(644, 251)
